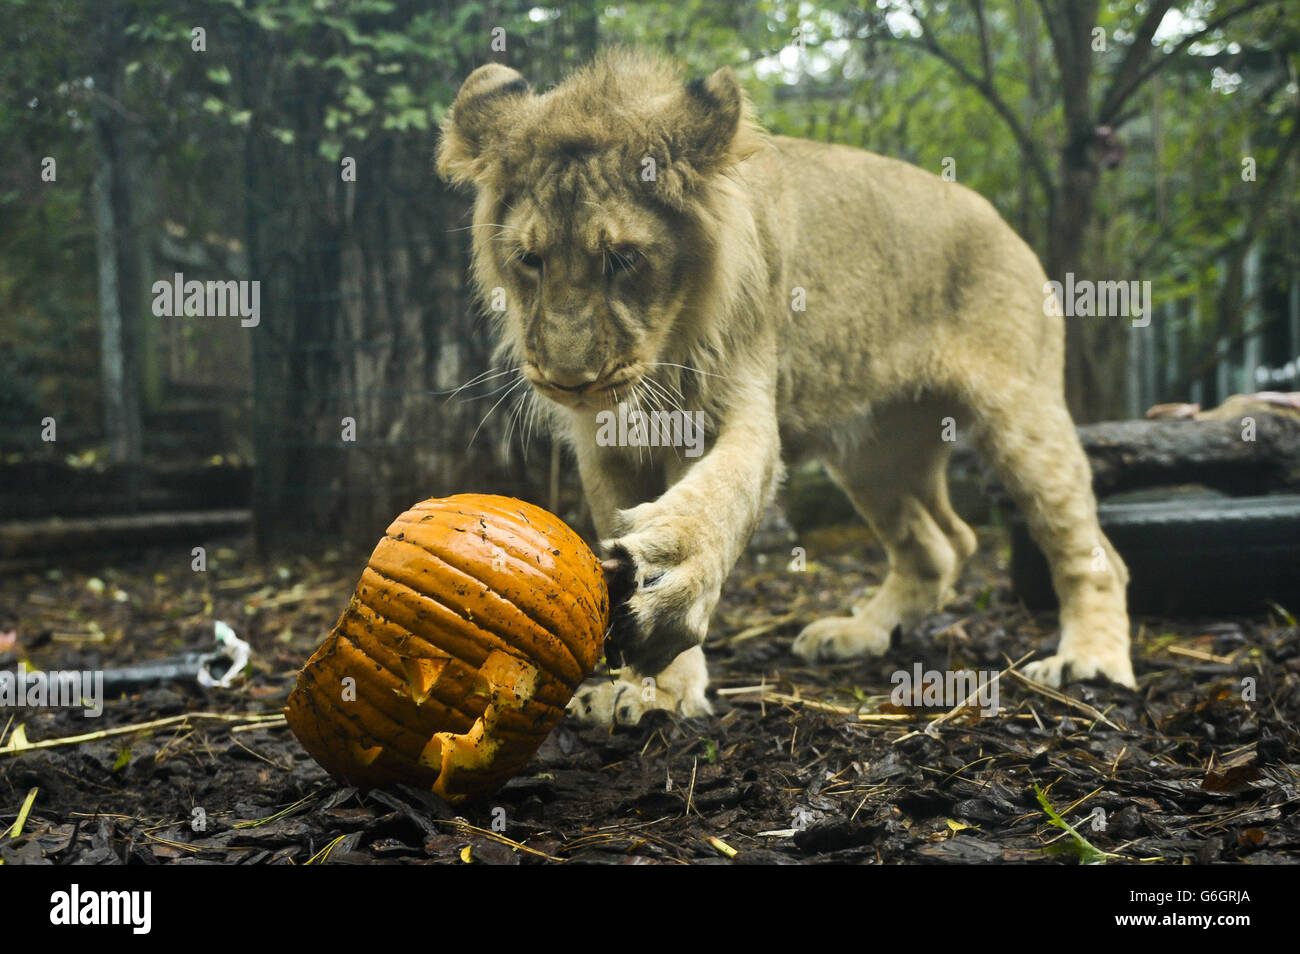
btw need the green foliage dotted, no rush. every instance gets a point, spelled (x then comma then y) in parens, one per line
(291, 86)
(1075, 844)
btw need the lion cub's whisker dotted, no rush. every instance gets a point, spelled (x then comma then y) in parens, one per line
(687, 367)
(481, 378)
(483, 225)
(522, 380)
(479, 397)
(655, 388)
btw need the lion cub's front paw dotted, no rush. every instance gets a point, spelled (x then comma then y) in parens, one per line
(624, 703)
(841, 637)
(1059, 667)
(668, 595)
(679, 688)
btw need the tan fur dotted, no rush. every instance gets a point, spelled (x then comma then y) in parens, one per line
(922, 306)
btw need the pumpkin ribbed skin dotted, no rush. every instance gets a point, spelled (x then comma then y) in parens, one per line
(475, 620)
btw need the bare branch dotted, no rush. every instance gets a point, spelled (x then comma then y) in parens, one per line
(1052, 19)
(1131, 73)
(1136, 55)
(984, 86)
(986, 55)
(1069, 26)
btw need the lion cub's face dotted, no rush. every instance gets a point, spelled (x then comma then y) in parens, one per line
(592, 277)
(593, 212)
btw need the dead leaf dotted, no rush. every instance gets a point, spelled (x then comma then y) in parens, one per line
(1231, 780)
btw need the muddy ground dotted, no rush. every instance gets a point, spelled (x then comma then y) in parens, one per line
(799, 765)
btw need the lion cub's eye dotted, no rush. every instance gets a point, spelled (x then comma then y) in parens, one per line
(620, 260)
(530, 260)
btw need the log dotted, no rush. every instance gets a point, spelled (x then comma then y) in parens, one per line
(1135, 455)
(33, 488)
(1131, 455)
(30, 544)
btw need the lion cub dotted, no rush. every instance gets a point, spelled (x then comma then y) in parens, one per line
(665, 264)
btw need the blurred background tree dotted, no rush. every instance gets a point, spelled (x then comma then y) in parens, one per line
(290, 142)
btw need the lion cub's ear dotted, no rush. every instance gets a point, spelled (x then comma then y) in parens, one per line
(717, 127)
(485, 107)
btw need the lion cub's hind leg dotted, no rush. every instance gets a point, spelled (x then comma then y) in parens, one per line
(899, 485)
(1028, 438)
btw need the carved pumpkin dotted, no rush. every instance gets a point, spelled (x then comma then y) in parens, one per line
(474, 622)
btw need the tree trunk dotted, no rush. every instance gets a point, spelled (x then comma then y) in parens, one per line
(118, 362)
(1095, 356)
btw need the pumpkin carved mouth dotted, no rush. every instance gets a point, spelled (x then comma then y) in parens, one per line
(475, 620)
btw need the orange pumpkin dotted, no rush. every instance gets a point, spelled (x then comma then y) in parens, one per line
(474, 622)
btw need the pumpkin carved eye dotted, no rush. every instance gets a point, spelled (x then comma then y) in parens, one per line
(476, 619)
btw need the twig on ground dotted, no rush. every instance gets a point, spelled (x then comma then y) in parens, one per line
(256, 717)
